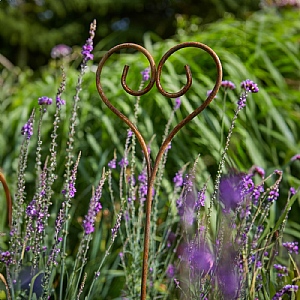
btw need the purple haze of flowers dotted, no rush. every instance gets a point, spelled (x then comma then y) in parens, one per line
(45, 101)
(87, 48)
(27, 129)
(229, 281)
(249, 86)
(228, 84)
(198, 258)
(231, 191)
(60, 50)
(123, 162)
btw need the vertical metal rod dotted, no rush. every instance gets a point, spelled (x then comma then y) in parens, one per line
(156, 77)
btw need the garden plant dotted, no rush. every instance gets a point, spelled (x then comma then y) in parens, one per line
(155, 220)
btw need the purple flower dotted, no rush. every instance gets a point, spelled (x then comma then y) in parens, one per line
(60, 50)
(282, 270)
(177, 103)
(198, 258)
(171, 271)
(242, 101)
(291, 247)
(292, 191)
(94, 207)
(228, 84)
(273, 195)
(45, 101)
(200, 199)
(59, 101)
(178, 179)
(112, 164)
(287, 289)
(123, 162)
(295, 157)
(249, 86)
(257, 170)
(231, 191)
(27, 129)
(87, 48)
(146, 74)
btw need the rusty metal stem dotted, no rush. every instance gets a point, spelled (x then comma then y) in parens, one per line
(8, 199)
(155, 77)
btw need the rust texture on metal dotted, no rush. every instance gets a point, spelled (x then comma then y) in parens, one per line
(155, 77)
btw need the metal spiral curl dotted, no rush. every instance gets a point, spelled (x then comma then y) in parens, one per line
(156, 77)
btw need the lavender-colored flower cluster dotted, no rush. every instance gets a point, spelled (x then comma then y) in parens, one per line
(44, 100)
(146, 74)
(292, 247)
(60, 50)
(27, 129)
(227, 84)
(87, 48)
(249, 86)
(287, 289)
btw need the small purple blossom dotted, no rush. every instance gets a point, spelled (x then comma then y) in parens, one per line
(282, 270)
(292, 191)
(44, 100)
(177, 103)
(273, 195)
(112, 164)
(171, 271)
(200, 199)
(249, 86)
(291, 247)
(146, 74)
(27, 129)
(60, 50)
(257, 170)
(59, 101)
(123, 162)
(295, 157)
(178, 179)
(228, 84)
(242, 101)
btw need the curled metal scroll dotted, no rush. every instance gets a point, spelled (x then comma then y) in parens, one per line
(156, 77)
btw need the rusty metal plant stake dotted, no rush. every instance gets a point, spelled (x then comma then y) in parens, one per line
(155, 77)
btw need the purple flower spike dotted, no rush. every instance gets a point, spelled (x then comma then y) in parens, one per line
(228, 84)
(45, 101)
(178, 179)
(27, 129)
(291, 247)
(88, 46)
(249, 86)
